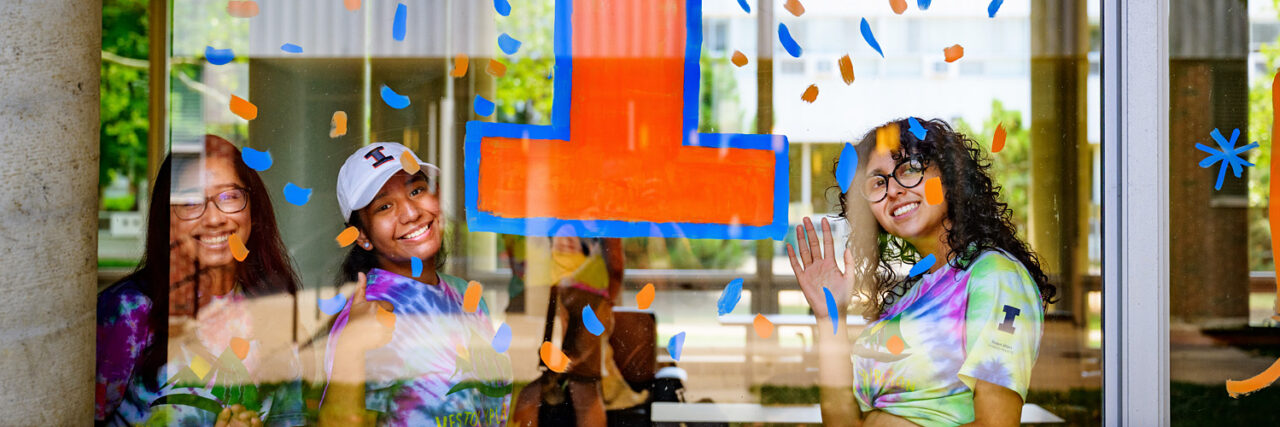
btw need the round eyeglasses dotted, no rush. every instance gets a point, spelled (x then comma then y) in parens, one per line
(229, 201)
(908, 173)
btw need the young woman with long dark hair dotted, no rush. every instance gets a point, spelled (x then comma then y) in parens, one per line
(189, 294)
(952, 344)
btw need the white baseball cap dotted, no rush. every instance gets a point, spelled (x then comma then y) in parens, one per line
(365, 171)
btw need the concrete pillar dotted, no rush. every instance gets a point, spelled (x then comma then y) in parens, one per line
(1059, 100)
(1208, 88)
(50, 54)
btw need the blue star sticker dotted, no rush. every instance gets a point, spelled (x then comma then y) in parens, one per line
(1229, 155)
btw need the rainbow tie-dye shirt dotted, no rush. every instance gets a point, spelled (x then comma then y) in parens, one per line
(440, 368)
(921, 360)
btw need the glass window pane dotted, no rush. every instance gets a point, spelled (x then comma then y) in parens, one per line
(1222, 296)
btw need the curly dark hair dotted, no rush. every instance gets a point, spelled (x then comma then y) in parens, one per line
(976, 219)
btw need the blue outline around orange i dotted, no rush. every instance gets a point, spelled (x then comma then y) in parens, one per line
(559, 129)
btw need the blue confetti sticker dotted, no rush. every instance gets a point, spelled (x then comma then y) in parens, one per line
(924, 4)
(483, 106)
(256, 160)
(919, 131)
(502, 338)
(745, 7)
(333, 305)
(397, 26)
(291, 48)
(846, 166)
(591, 322)
(675, 346)
(993, 7)
(729, 298)
(922, 266)
(502, 7)
(393, 99)
(1229, 155)
(508, 44)
(415, 264)
(296, 195)
(870, 38)
(218, 56)
(831, 310)
(788, 43)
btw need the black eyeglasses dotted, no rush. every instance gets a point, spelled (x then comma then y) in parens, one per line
(229, 201)
(909, 173)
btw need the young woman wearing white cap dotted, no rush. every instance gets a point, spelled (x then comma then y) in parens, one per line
(405, 351)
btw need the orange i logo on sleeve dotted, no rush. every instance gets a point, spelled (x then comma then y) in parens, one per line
(623, 156)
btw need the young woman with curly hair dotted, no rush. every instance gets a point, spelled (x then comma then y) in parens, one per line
(948, 345)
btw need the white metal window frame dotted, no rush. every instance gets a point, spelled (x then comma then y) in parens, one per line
(1135, 320)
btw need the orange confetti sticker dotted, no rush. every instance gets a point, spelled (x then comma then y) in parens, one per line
(810, 94)
(933, 190)
(896, 345)
(471, 299)
(238, 251)
(351, 4)
(846, 69)
(645, 297)
(794, 7)
(459, 65)
(997, 141)
(496, 68)
(954, 53)
(898, 6)
(338, 126)
(347, 236)
(887, 138)
(243, 108)
(242, 9)
(240, 347)
(410, 164)
(462, 351)
(764, 328)
(739, 58)
(386, 318)
(555, 359)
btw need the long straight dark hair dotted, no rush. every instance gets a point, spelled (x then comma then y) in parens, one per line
(266, 271)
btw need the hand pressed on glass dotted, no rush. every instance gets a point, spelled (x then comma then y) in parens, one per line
(816, 268)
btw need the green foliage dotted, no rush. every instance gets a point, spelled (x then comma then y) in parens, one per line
(524, 93)
(1260, 256)
(1010, 168)
(123, 90)
(718, 96)
(677, 253)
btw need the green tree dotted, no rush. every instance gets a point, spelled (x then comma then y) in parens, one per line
(1011, 166)
(124, 91)
(524, 93)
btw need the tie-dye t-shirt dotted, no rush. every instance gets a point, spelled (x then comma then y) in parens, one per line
(921, 360)
(220, 364)
(440, 368)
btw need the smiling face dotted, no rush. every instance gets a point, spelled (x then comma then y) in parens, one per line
(209, 233)
(402, 221)
(903, 212)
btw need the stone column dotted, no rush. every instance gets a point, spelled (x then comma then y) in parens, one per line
(1059, 78)
(1208, 88)
(50, 54)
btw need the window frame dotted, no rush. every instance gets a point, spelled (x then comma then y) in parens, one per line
(1135, 66)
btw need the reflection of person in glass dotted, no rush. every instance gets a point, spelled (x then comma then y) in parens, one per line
(405, 351)
(954, 344)
(183, 344)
